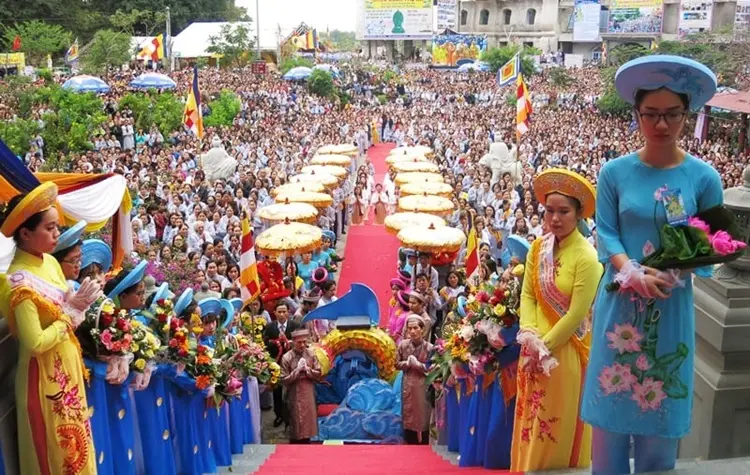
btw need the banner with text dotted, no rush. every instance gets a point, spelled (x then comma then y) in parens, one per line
(448, 50)
(695, 16)
(742, 17)
(397, 20)
(447, 14)
(586, 20)
(635, 16)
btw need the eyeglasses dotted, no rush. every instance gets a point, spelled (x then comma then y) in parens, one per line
(74, 263)
(653, 118)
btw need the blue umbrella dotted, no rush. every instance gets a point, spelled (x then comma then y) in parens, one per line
(153, 80)
(85, 83)
(300, 73)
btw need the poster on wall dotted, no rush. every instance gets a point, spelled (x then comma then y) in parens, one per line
(447, 14)
(635, 16)
(742, 17)
(397, 20)
(448, 50)
(695, 16)
(586, 20)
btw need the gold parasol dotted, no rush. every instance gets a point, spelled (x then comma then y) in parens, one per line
(393, 159)
(408, 167)
(432, 239)
(418, 177)
(398, 221)
(288, 237)
(340, 160)
(427, 187)
(297, 187)
(413, 149)
(340, 149)
(335, 170)
(329, 181)
(279, 212)
(425, 204)
(319, 200)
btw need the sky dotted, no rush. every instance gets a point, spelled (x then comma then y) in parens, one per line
(321, 14)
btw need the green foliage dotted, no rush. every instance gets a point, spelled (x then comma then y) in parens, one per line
(621, 54)
(610, 102)
(109, 48)
(139, 22)
(163, 110)
(224, 109)
(38, 39)
(202, 63)
(17, 134)
(722, 55)
(341, 40)
(560, 77)
(382, 98)
(497, 57)
(320, 83)
(234, 44)
(293, 62)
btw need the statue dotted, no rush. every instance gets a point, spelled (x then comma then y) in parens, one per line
(500, 160)
(217, 164)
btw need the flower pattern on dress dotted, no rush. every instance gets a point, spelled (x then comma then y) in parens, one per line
(637, 369)
(528, 412)
(74, 441)
(67, 402)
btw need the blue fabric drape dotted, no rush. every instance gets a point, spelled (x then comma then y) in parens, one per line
(189, 447)
(122, 427)
(471, 446)
(153, 423)
(96, 396)
(463, 411)
(248, 436)
(199, 412)
(2, 461)
(453, 419)
(15, 171)
(218, 423)
(499, 431)
(237, 425)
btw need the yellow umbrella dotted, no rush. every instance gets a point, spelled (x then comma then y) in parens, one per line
(398, 221)
(432, 239)
(319, 200)
(413, 149)
(329, 181)
(335, 170)
(418, 177)
(427, 187)
(339, 149)
(425, 204)
(393, 159)
(408, 167)
(296, 187)
(288, 237)
(279, 212)
(340, 160)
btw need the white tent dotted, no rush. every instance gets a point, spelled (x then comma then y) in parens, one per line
(193, 40)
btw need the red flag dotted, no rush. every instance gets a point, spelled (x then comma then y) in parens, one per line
(17, 43)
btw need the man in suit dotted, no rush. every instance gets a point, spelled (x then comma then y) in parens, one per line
(277, 336)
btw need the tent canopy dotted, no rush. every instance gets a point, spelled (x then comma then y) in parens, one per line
(193, 40)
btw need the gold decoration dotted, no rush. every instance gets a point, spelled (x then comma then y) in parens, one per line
(340, 160)
(91, 412)
(319, 200)
(413, 149)
(393, 159)
(471, 430)
(408, 167)
(195, 449)
(39, 199)
(426, 204)
(418, 177)
(329, 181)
(286, 210)
(297, 187)
(288, 237)
(101, 457)
(398, 221)
(339, 149)
(375, 342)
(568, 183)
(121, 414)
(432, 239)
(427, 187)
(165, 435)
(335, 170)
(159, 401)
(130, 454)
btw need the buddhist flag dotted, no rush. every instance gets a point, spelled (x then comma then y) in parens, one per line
(71, 56)
(249, 281)
(509, 72)
(193, 116)
(472, 253)
(154, 49)
(523, 107)
(311, 39)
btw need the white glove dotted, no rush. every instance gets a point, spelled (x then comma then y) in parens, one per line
(87, 294)
(142, 380)
(302, 364)
(211, 390)
(118, 368)
(413, 362)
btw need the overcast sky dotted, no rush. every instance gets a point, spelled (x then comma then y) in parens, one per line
(321, 14)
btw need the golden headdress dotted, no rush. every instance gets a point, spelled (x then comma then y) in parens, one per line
(568, 183)
(40, 199)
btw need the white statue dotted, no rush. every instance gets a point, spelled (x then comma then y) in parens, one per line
(217, 164)
(500, 160)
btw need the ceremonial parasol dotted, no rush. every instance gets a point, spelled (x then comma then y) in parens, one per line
(432, 239)
(340, 160)
(335, 170)
(297, 187)
(412, 149)
(342, 149)
(288, 237)
(329, 181)
(279, 212)
(425, 204)
(408, 167)
(398, 221)
(319, 200)
(427, 187)
(392, 159)
(418, 177)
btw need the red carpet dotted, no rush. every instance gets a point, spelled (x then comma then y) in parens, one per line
(360, 460)
(371, 253)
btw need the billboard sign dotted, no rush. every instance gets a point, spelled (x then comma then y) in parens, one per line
(742, 17)
(635, 17)
(447, 14)
(586, 20)
(397, 20)
(695, 16)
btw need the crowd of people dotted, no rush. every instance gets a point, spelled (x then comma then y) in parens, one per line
(180, 217)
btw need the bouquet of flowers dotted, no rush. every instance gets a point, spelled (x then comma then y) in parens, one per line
(253, 326)
(203, 368)
(709, 237)
(144, 347)
(105, 330)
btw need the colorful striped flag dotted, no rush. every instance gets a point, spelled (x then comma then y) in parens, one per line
(71, 56)
(249, 281)
(472, 253)
(154, 49)
(523, 107)
(509, 72)
(193, 115)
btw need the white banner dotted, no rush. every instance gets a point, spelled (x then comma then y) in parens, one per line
(742, 16)
(397, 20)
(695, 16)
(447, 15)
(586, 21)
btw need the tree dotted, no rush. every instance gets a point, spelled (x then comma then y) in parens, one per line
(610, 102)
(560, 77)
(108, 49)
(293, 62)
(39, 39)
(320, 83)
(234, 44)
(341, 40)
(161, 109)
(223, 109)
(139, 22)
(497, 57)
(621, 54)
